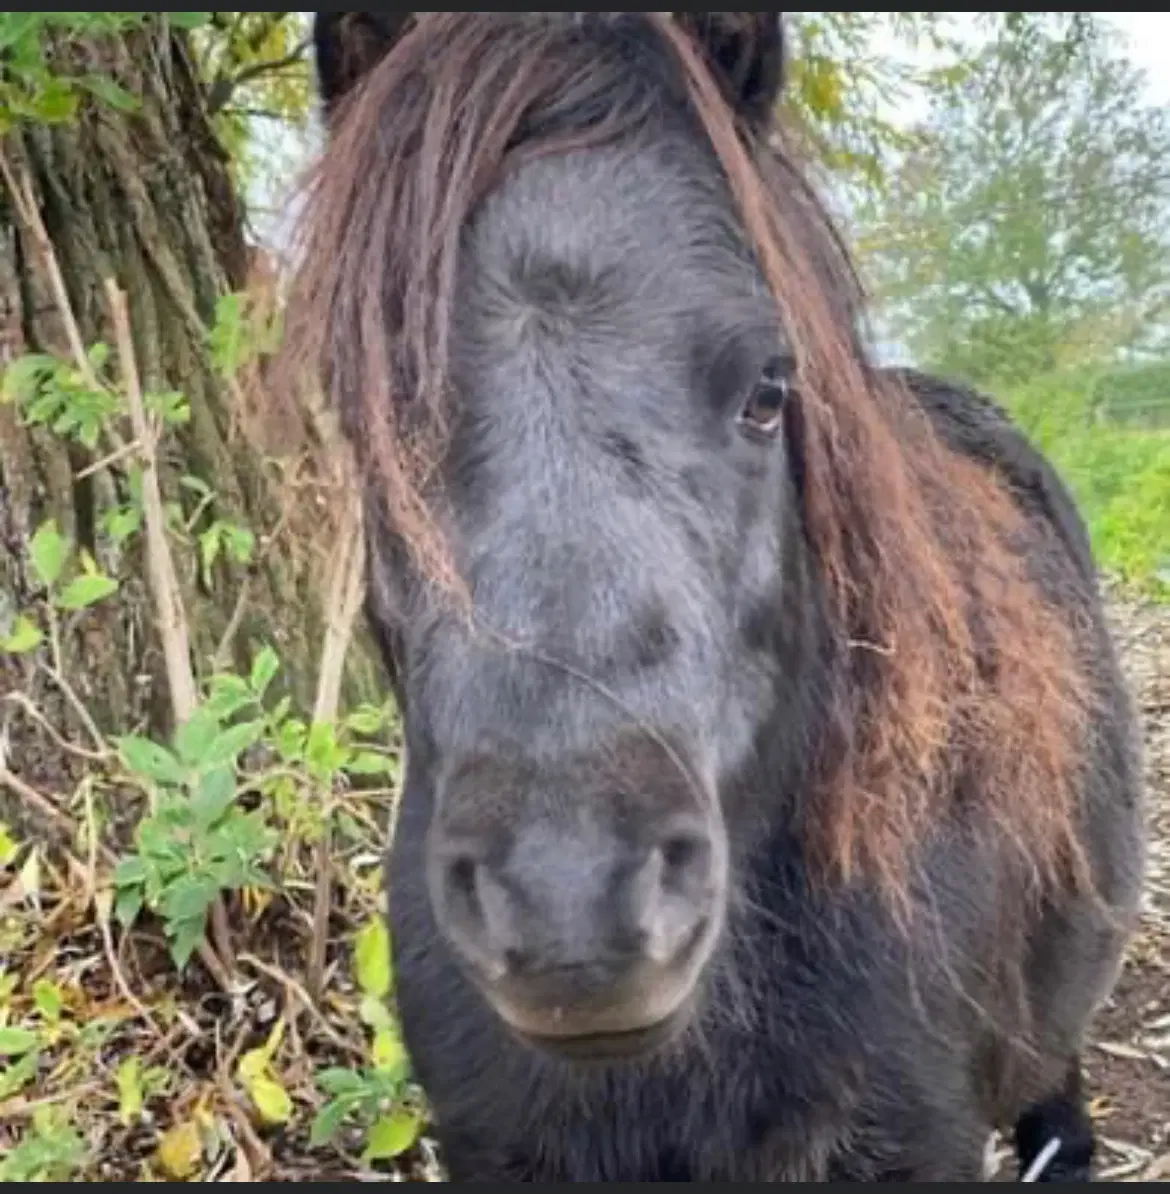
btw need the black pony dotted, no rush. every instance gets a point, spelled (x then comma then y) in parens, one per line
(772, 810)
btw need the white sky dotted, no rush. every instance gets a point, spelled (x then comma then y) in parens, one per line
(1149, 46)
(1146, 37)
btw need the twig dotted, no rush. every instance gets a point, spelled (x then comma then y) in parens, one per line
(25, 202)
(224, 88)
(40, 804)
(291, 986)
(77, 705)
(344, 604)
(24, 702)
(118, 454)
(173, 628)
(101, 903)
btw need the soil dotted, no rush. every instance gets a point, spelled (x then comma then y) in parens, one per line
(1129, 1065)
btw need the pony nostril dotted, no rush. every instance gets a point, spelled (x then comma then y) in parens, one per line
(461, 875)
(684, 855)
(679, 852)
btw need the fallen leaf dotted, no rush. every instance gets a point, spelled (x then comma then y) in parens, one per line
(181, 1150)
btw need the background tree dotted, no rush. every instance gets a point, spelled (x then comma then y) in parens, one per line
(1028, 223)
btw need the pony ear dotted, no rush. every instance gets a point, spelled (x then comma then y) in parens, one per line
(747, 53)
(348, 45)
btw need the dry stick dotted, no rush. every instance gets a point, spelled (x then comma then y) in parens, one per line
(25, 202)
(344, 604)
(172, 618)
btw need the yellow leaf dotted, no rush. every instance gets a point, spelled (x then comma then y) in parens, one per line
(8, 845)
(271, 1099)
(252, 1066)
(372, 959)
(392, 1135)
(130, 1093)
(180, 1151)
(256, 1061)
(389, 1053)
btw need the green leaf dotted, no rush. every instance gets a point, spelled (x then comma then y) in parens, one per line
(188, 899)
(374, 1013)
(227, 747)
(26, 636)
(130, 871)
(367, 720)
(49, 550)
(323, 754)
(340, 1083)
(214, 796)
(372, 966)
(393, 1135)
(193, 739)
(389, 1052)
(128, 906)
(121, 524)
(150, 761)
(188, 20)
(229, 694)
(48, 1000)
(327, 1122)
(57, 102)
(86, 590)
(264, 669)
(185, 938)
(15, 1042)
(22, 1073)
(369, 763)
(109, 92)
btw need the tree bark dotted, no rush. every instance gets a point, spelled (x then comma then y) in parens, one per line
(146, 198)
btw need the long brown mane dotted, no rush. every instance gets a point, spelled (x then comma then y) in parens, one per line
(955, 675)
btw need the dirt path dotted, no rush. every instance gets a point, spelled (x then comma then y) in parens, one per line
(1130, 1063)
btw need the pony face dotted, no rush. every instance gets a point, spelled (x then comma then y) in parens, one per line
(720, 586)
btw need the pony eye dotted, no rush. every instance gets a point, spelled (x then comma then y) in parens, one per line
(763, 413)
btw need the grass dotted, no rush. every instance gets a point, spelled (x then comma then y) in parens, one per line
(1119, 474)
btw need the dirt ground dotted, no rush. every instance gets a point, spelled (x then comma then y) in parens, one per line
(1130, 1062)
(196, 1032)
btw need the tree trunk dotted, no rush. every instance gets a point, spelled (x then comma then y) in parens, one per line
(145, 198)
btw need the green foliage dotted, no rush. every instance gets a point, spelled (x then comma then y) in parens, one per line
(243, 333)
(33, 90)
(198, 843)
(72, 582)
(52, 1151)
(1137, 395)
(256, 71)
(1026, 231)
(1119, 476)
(52, 393)
(377, 1097)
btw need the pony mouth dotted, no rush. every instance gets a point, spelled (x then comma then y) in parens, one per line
(601, 1047)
